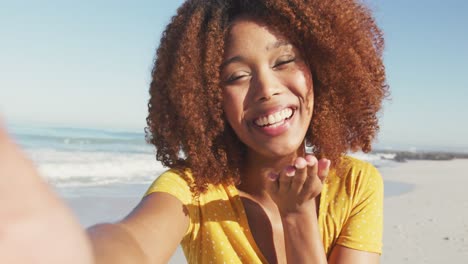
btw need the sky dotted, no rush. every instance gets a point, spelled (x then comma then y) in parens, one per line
(87, 64)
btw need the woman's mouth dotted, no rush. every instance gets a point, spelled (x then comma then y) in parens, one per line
(276, 123)
(274, 119)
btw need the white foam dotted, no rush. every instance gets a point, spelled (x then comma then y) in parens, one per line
(78, 168)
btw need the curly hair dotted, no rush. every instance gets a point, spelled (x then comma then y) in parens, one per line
(341, 43)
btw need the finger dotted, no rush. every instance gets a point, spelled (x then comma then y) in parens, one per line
(300, 166)
(310, 185)
(286, 176)
(323, 168)
(3, 132)
(311, 163)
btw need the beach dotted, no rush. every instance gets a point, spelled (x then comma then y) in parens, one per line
(429, 224)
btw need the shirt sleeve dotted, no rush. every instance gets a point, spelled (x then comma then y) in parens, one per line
(171, 182)
(364, 227)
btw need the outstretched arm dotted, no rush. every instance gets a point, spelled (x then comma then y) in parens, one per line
(149, 234)
(37, 227)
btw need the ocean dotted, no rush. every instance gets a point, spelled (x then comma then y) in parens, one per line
(73, 157)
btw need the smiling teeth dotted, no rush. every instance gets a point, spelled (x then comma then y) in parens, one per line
(274, 118)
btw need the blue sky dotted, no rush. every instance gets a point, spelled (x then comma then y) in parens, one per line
(87, 64)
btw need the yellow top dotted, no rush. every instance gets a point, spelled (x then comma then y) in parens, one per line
(350, 214)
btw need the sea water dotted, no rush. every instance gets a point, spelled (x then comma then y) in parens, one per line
(72, 157)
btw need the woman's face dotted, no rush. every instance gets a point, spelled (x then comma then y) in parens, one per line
(267, 88)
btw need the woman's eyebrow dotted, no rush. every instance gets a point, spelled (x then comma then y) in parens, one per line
(277, 44)
(231, 60)
(274, 45)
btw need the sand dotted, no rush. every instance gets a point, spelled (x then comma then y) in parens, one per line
(426, 211)
(430, 223)
(107, 204)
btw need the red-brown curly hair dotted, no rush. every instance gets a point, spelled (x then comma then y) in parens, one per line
(341, 44)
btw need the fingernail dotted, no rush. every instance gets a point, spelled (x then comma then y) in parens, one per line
(300, 163)
(272, 176)
(290, 171)
(311, 160)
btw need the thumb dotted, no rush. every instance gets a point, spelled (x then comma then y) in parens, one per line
(3, 132)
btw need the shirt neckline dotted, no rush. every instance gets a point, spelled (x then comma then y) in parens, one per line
(244, 222)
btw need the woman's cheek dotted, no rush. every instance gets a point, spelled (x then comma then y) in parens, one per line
(231, 106)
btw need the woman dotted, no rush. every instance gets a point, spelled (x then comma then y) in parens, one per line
(240, 90)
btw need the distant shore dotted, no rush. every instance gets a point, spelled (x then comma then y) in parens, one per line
(403, 156)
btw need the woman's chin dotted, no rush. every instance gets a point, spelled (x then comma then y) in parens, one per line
(276, 153)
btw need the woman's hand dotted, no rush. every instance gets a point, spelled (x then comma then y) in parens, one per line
(294, 188)
(35, 225)
(294, 191)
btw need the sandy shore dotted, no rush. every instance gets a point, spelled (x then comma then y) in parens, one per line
(107, 204)
(430, 223)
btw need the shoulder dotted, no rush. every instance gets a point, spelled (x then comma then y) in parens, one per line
(356, 166)
(179, 183)
(358, 170)
(357, 176)
(182, 176)
(174, 182)
(360, 191)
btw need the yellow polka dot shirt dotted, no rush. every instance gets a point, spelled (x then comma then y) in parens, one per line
(350, 214)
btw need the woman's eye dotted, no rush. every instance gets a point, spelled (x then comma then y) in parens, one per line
(284, 62)
(236, 77)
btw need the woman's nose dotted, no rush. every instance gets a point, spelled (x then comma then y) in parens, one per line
(264, 86)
